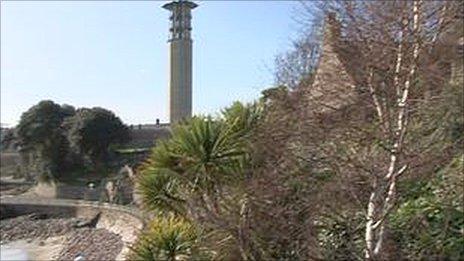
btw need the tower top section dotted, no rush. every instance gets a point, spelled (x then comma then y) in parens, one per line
(180, 18)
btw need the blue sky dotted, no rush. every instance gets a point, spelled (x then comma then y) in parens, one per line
(115, 54)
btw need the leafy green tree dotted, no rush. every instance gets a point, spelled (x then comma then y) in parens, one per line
(41, 135)
(92, 132)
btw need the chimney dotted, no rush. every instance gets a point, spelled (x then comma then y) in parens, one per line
(332, 29)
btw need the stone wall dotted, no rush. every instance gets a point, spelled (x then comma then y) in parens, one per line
(146, 137)
(333, 86)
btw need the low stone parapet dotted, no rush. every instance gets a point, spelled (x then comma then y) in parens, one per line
(124, 221)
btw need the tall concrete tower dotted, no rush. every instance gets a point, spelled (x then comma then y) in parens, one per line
(180, 55)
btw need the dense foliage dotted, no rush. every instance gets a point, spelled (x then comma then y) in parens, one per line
(430, 225)
(198, 173)
(93, 131)
(53, 139)
(292, 178)
(429, 222)
(40, 134)
(220, 174)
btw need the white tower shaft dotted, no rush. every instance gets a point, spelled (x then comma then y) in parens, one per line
(180, 58)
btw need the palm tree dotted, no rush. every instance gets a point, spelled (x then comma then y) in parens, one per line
(169, 239)
(200, 171)
(202, 155)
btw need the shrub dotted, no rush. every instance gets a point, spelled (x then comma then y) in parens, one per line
(168, 239)
(432, 224)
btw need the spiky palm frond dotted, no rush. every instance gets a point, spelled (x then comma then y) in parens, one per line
(168, 239)
(201, 155)
(160, 190)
